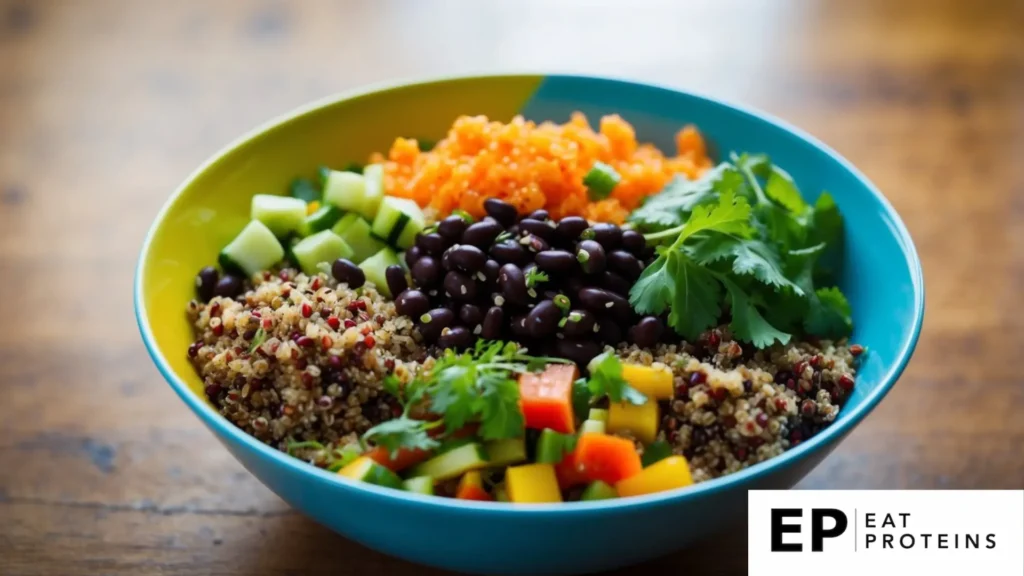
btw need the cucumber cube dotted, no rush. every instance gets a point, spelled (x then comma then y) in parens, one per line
(282, 214)
(355, 231)
(254, 249)
(324, 246)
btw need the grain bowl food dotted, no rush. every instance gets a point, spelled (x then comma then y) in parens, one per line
(531, 313)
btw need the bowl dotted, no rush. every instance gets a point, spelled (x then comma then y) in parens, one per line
(882, 279)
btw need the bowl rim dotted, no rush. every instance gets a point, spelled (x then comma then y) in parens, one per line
(222, 427)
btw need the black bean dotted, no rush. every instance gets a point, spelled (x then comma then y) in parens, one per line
(607, 235)
(625, 264)
(571, 227)
(452, 228)
(206, 282)
(634, 242)
(537, 228)
(395, 277)
(460, 286)
(412, 303)
(543, 319)
(426, 272)
(481, 234)
(412, 255)
(534, 243)
(467, 258)
(609, 331)
(518, 326)
(604, 302)
(647, 332)
(433, 243)
(490, 271)
(503, 212)
(579, 351)
(555, 261)
(591, 257)
(346, 271)
(228, 287)
(513, 230)
(494, 320)
(573, 285)
(509, 252)
(579, 323)
(456, 337)
(550, 294)
(471, 315)
(512, 282)
(614, 282)
(433, 322)
(541, 215)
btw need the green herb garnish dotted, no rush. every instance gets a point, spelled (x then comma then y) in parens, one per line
(600, 181)
(479, 385)
(535, 276)
(259, 338)
(742, 239)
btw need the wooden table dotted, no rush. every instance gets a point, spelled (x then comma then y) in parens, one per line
(106, 106)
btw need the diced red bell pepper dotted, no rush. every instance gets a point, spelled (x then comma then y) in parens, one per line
(606, 458)
(545, 398)
(569, 473)
(405, 458)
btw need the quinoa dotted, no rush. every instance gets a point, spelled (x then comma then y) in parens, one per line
(302, 358)
(736, 406)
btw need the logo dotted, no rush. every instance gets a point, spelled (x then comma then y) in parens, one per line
(942, 532)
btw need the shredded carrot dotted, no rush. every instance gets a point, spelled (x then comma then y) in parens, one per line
(535, 166)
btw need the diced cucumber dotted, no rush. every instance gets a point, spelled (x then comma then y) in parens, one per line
(374, 174)
(553, 446)
(320, 220)
(366, 470)
(355, 231)
(346, 190)
(282, 214)
(589, 426)
(453, 464)
(599, 491)
(374, 267)
(598, 414)
(398, 221)
(305, 190)
(419, 485)
(324, 246)
(505, 452)
(254, 249)
(581, 397)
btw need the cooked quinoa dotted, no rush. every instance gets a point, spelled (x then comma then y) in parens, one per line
(299, 358)
(736, 406)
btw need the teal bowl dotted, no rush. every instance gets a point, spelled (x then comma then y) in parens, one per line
(882, 279)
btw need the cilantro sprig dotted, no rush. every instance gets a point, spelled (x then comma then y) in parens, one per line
(478, 385)
(742, 241)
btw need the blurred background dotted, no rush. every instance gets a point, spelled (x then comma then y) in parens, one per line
(106, 106)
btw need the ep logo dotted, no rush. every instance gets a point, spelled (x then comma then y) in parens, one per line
(824, 523)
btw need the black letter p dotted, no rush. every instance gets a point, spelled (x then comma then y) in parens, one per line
(818, 532)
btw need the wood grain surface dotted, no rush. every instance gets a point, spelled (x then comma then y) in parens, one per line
(106, 106)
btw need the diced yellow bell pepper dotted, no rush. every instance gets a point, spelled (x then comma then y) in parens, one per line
(312, 207)
(640, 421)
(532, 484)
(650, 381)
(668, 474)
(357, 469)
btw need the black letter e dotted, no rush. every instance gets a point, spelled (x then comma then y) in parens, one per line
(779, 528)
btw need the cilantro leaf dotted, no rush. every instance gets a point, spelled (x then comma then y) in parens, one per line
(730, 216)
(695, 298)
(781, 188)
(454, 395)
(655, 452)
(402, 432)
(747, 323)
(652, 292)
(673, 204)
(829, 314)
(750, 257)
(535, 276)
(606, 380)
(500, 414)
